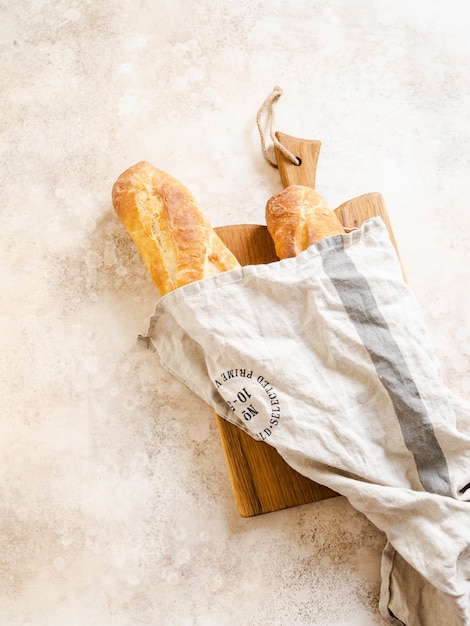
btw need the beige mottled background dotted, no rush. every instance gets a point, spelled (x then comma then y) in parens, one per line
(115, 504)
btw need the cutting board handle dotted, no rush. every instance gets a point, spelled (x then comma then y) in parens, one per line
(307, 151)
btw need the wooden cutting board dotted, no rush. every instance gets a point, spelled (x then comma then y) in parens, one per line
(261, 480)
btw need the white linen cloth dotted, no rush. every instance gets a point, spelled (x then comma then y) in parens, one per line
(326, 357)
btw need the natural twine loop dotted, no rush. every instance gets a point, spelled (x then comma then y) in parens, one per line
(270, 102)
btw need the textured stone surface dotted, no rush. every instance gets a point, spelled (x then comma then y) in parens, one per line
(115, 503)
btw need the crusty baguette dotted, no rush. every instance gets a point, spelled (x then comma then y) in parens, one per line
(174, 238)
(297, 218)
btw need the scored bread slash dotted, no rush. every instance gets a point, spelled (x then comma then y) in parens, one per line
(298, 217)
(175, 240)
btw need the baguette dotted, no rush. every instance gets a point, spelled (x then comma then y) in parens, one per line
(174, 238)
(297, 218)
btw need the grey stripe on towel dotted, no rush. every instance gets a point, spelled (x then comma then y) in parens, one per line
(361, 307)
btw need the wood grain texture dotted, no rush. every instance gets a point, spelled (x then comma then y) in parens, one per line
(307, 150)
(261, 480)
(356, 211)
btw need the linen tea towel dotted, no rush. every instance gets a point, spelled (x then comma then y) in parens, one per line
(326, 357)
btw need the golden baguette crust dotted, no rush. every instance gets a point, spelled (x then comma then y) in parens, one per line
(297, 218)
(174, 238)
